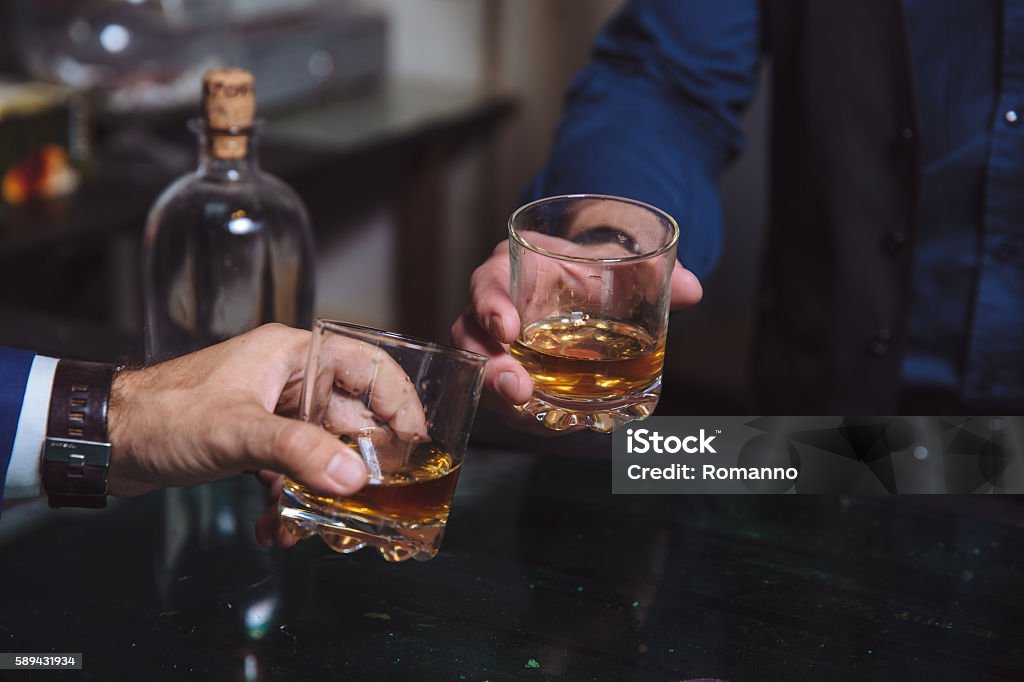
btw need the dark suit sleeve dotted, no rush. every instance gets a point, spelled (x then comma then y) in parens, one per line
(14, 370)
(655, 116)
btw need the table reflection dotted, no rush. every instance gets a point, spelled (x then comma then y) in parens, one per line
(545, 573)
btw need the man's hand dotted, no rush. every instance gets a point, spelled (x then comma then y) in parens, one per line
(224, 410)
(491, 323)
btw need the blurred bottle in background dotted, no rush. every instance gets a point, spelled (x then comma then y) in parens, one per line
(227, 247)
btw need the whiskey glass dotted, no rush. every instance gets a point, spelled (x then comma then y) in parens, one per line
(413, 453)
(590, 280)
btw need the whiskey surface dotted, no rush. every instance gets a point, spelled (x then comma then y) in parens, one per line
(583, 358)
(416, 494)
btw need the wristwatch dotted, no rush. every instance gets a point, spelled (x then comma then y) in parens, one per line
(76, 456)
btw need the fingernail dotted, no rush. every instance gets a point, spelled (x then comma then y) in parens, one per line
(347, 471)
(508, 385)
(494, 326)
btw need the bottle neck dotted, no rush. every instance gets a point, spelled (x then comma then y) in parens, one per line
(227, 155)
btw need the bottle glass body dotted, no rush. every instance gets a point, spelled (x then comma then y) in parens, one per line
(226, 249)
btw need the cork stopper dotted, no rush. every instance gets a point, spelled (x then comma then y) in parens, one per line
(229, 102)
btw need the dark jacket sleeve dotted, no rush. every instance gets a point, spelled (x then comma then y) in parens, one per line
(14, 370)
(655, 116)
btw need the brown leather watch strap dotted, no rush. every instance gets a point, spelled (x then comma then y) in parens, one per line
(77, 454)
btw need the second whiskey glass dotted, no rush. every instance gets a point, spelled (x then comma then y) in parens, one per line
(590, 280)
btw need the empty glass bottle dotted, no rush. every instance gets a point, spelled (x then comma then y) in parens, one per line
(227, 247)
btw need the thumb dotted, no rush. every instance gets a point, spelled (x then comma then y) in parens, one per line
(685, 288)
(303, 452)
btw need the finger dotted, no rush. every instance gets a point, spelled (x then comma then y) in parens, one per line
(274, 490)
(507, 378)
(347, 415)
(301, 451)
(289, 399)
(685, 287)
(492, 306)
(284, 350)
(267, 526)
(270, 531)
(467, 334)
(267, 477)
(503, 376)
(284, 537)
(360, 368)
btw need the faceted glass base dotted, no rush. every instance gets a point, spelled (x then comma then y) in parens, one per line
(559, 414)
(348, 532)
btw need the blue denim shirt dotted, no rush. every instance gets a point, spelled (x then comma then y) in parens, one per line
(656, 117)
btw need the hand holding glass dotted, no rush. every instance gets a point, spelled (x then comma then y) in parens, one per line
(406, 407)
(590, 280)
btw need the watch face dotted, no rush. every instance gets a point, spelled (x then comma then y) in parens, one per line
(75, 472)
(79, 453)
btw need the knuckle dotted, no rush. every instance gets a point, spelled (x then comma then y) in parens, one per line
(269, 334)
(270, 329)
(475, 279)
(282, 332)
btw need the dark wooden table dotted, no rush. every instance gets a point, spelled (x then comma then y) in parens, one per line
(546, 575)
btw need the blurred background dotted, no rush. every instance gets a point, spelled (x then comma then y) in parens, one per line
(409, 128)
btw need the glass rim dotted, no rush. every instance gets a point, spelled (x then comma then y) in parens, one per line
(515, 235)
(403, 340)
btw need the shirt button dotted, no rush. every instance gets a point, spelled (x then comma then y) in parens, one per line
(907, 135)
(1012, 117)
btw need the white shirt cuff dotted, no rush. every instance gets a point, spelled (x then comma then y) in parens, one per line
(24, 473)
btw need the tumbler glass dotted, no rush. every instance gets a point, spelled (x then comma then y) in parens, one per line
(406, 407)
(590, 280)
